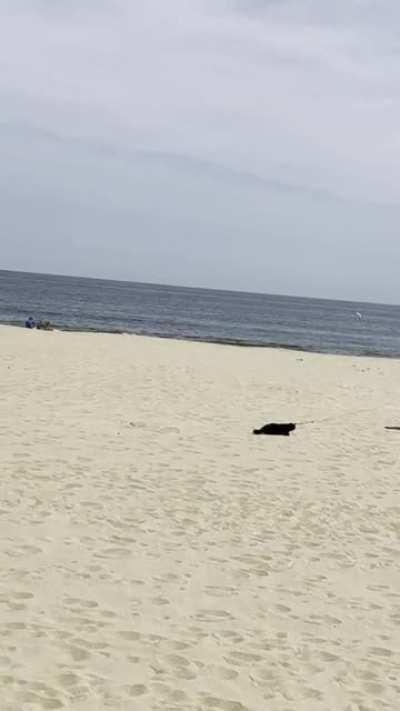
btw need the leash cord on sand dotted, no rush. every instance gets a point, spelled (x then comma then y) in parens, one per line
(335, 417)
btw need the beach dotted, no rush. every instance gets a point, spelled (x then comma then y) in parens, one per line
(156, 555)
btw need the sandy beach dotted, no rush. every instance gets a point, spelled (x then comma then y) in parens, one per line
(155, 555)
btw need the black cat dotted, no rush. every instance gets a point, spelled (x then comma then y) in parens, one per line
(276, 429)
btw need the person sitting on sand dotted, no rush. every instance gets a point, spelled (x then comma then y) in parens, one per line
(30, 323)
(44, 326)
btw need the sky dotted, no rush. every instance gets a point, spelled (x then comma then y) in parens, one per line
(234, 144)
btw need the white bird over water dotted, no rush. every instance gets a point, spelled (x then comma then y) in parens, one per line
(359, 316)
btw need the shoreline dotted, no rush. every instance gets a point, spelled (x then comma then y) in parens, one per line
(220, 342)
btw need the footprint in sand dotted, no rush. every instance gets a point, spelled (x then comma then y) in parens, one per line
(213, 615)
(137, 690)
(78, 654)
(76, 602)
(224, 673)
(42, 702)
(212, 702)
(380, 652)
(69, 680)
(23, 596)
(130, 635)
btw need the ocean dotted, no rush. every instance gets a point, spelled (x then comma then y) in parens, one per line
(74, 303)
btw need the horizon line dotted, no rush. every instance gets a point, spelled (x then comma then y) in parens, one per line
(200, 288)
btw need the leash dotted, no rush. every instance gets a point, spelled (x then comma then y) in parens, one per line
(335, 417)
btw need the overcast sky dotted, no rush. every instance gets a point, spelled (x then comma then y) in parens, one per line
(244, 144)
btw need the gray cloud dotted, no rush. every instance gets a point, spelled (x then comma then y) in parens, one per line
(209, 129)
